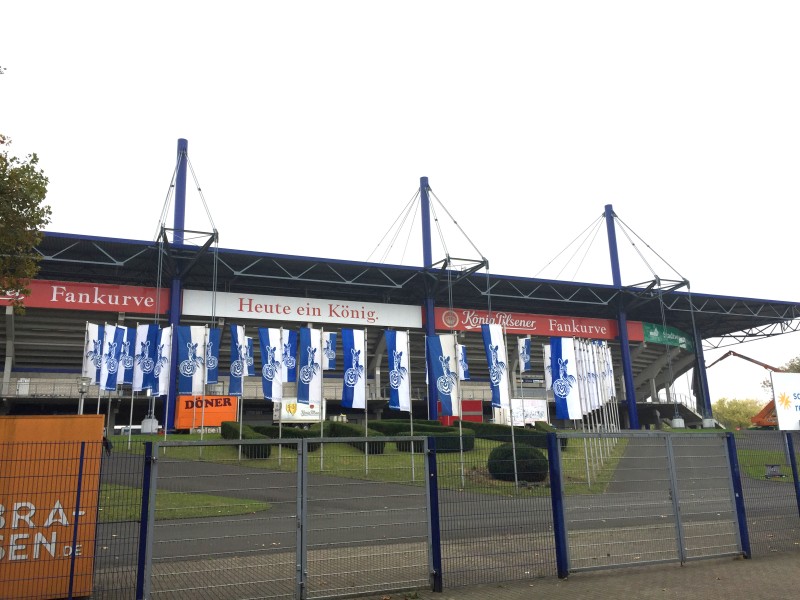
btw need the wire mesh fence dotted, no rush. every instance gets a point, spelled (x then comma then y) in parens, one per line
(770, 494)
(617, 501)
(335, 517)
(118, 562)
(225, 520)
(633, 498)
(493, 527)
(366, 517)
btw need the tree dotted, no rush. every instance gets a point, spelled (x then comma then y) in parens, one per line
(23, 187)
(734, 414)
(793, 366)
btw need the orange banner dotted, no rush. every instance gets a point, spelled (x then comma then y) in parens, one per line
(47, 520)
(204, 411)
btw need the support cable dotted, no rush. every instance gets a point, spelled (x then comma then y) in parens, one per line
(447, 212)
(594, 223)
(402, 217)
(649, 247)
(167, 201)
(200, 191)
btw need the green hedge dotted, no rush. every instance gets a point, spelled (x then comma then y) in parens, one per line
(502, 433)
(447, 440)
(531, 463)
(396, 427)
(230, 431)
(337, 429)
(547, 428)
(276, 432)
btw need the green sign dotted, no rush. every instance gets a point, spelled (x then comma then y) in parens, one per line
(669, 336)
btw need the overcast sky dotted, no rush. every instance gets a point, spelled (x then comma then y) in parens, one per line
(310, 123)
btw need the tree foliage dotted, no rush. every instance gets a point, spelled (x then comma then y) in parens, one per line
(23, 187)
(735, 414)
(793, 366)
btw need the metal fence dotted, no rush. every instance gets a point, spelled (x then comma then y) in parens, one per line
(631, 499)
(323, 518)
(768, 466)
(491, 530)
(310, 519)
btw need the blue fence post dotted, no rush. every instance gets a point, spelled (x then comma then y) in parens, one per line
(75, 522)
(736, 478)
(793, 463)
(557, 502)
(142, 567)
(433, 511)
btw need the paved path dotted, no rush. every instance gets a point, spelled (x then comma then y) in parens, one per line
(773, 577)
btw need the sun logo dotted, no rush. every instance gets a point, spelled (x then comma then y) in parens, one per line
(784, 401)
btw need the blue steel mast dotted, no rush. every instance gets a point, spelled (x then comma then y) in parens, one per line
(622, 322)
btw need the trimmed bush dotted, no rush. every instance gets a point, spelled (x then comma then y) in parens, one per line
(337, 429)
(395, 426)
(230, 431)
(446, 440)
(275, 432)
(547, 428)
(531, 463)
(502, 433)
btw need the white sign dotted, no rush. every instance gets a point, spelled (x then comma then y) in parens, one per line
(306, 310)
(786, 387)
(291, 411)
(526, 411)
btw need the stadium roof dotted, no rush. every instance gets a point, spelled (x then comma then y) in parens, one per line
(721, 320)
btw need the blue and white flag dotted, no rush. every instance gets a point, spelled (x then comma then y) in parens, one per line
(271, 372)
(564, 371)
(463, 366)
(495, 348)
(397, 353)
(126, 356)
(441, 364)
(162, 368)
(548, 369)
(328, 350)
(93, 352)
(144, 358)
(524, 349)
(289, 355)
(191, 359)
(212, 355)
(309, 380)
(239, 355)
(354, 352)
(249, 360)
(112, 348)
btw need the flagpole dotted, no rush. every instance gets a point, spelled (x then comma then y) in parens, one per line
(84, 370)
(205, 385)
(241, 392)
(410, 408)
(366, 414)
(130, 419)
(460, 412)
(510, 413)
(280, 411)
(100, 387)
(586, 440)
(321, 424)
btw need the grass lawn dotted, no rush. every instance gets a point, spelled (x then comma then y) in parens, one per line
(123, 503)
(587, 465)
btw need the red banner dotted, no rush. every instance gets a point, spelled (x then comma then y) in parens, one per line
(94, 296)
(463, 319)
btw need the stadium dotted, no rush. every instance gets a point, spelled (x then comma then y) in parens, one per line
(656, 332)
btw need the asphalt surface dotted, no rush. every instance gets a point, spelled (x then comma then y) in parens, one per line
(773, 577)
